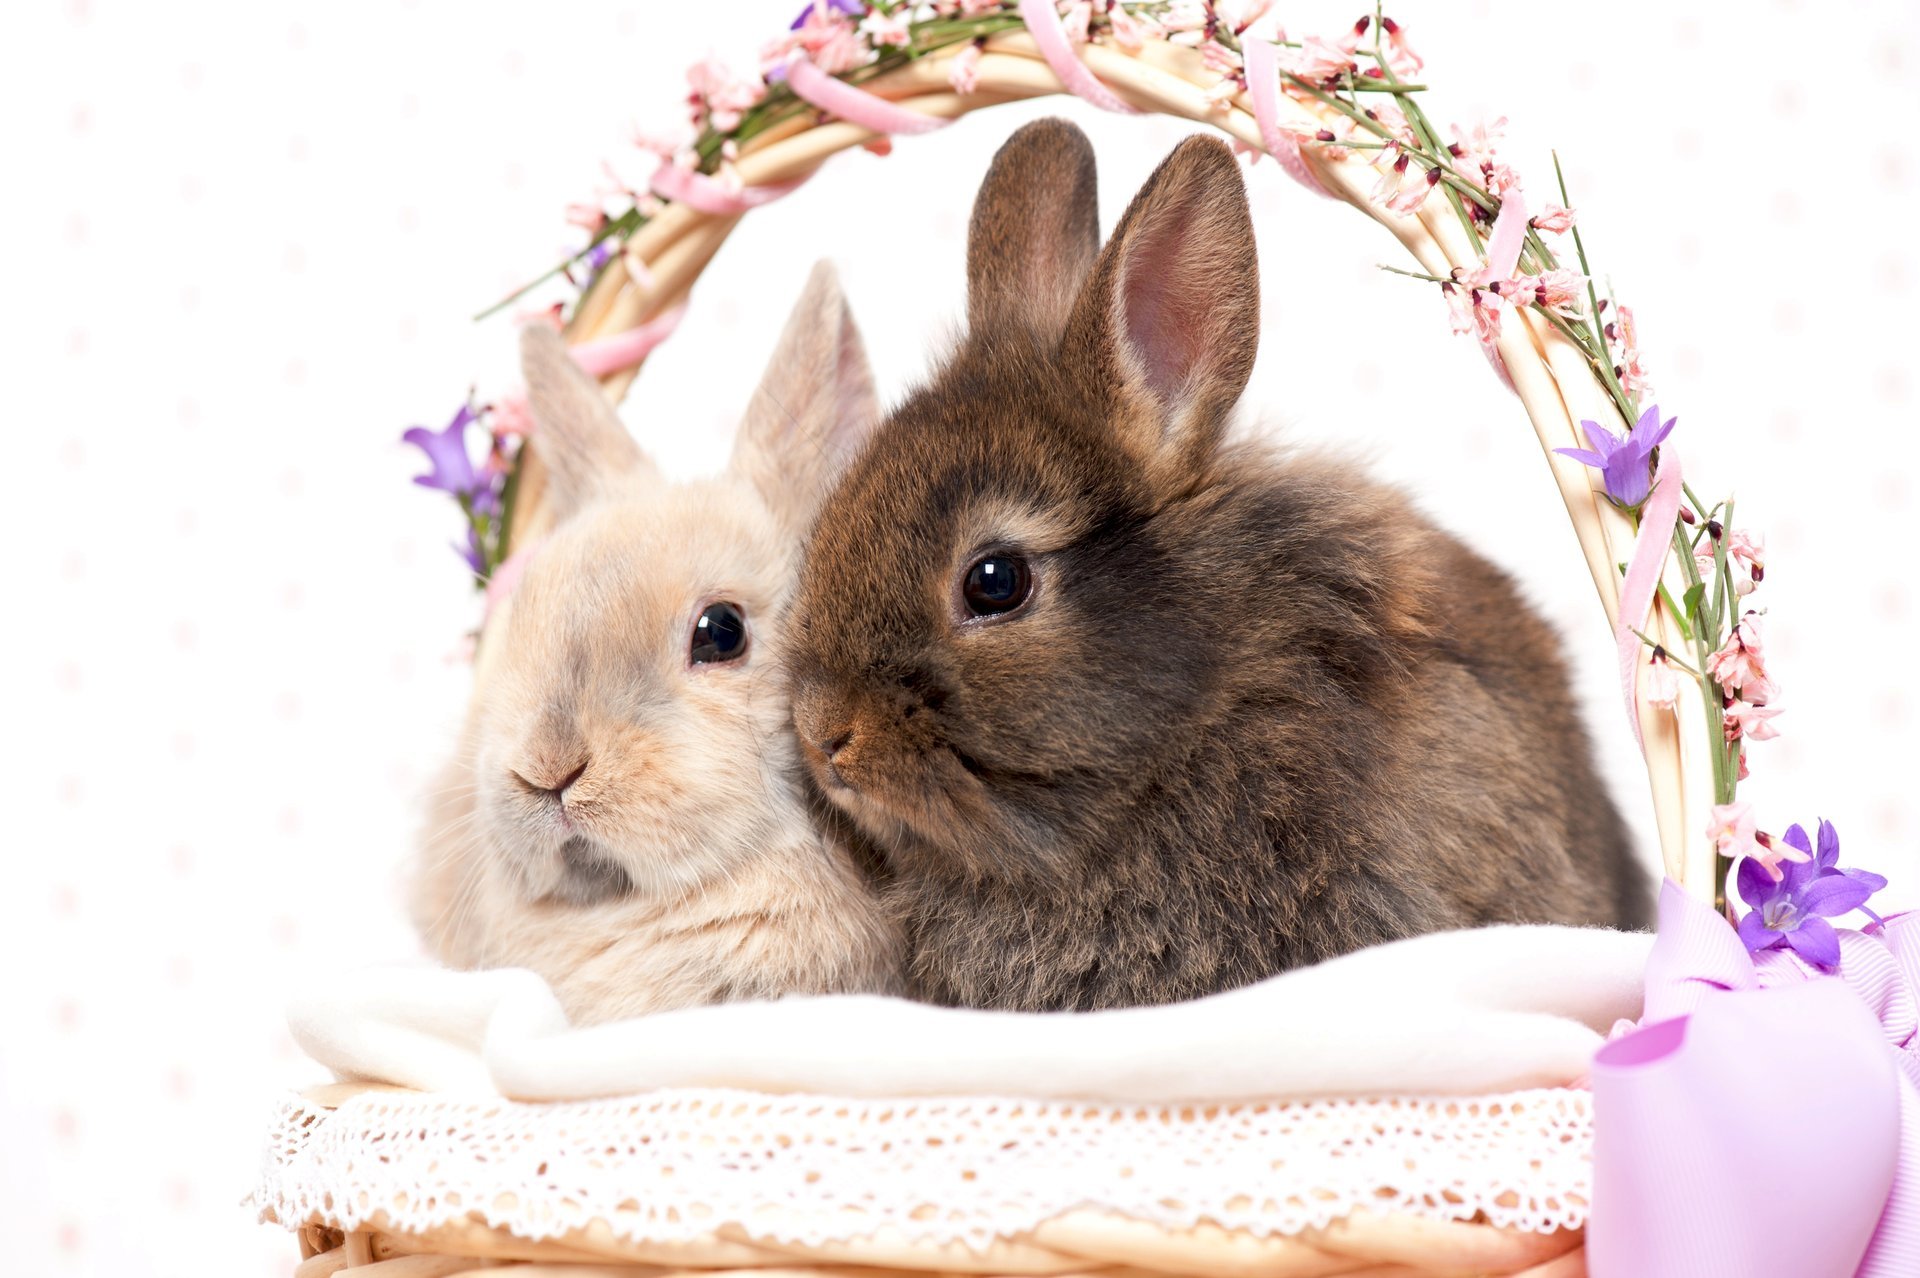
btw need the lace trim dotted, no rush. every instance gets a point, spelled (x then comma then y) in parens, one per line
(675, 1166)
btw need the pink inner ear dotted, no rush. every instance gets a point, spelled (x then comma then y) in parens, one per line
(1170, 316)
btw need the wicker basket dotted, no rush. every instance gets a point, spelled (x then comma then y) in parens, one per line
(1554, 384)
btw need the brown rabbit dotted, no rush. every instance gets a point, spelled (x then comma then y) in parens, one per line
(1135, 715)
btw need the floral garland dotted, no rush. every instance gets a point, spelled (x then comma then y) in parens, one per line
(1362, 83)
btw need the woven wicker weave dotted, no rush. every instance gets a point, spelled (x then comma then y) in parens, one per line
(1556, 388)
(1359, 1247)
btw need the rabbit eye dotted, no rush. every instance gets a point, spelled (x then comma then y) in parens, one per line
(719, 634)
(996, 584)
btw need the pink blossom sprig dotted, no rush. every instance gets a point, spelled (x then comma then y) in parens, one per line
(1723, 567)
(854, 39)
(1472, 173)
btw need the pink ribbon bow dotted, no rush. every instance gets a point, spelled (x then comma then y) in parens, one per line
(1765, 1118)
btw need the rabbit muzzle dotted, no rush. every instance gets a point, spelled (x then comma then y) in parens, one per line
(879, 756)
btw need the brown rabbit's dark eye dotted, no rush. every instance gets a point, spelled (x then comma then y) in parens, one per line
(719, 634)
(996, 584)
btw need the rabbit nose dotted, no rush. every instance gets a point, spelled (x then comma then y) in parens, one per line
(829, 731)
(558, 789)
(823, 725)
(831, 744)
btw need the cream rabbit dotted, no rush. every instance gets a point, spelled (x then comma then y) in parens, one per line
(628, 815)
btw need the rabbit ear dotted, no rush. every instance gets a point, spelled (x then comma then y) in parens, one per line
(814, 405)
(1168, 326)
(576, 432)
(1035, 232)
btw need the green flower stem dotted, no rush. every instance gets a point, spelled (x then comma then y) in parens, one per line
(1679, 614)
(1424, 131)
(1543, 257)
(1724, 772)
(1609, 378)
(1699, 507)
(1724, 577)
(620, 228)
(1725, 764)
(1419, 275)
(1572, 334)
(509, 496)
(1704, 633)
(1665, 654)
(466, 509)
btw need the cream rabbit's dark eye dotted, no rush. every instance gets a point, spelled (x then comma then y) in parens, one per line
(996, 584)
(719, 634)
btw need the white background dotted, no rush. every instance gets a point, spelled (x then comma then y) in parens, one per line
(241, 242)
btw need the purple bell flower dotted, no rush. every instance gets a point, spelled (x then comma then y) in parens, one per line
(1626, 465)
(596, 261)
(1794, 911)
(478, 489)
(446, 450)
(852, 8)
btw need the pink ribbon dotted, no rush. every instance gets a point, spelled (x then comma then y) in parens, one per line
(1766, 1117)
(854, 104)
(704, 193)
(1263, 86)
(1657, 518)
(1508, 236)
(1050, 37)
(622, 351)
(1504, 242)
(600, 358)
